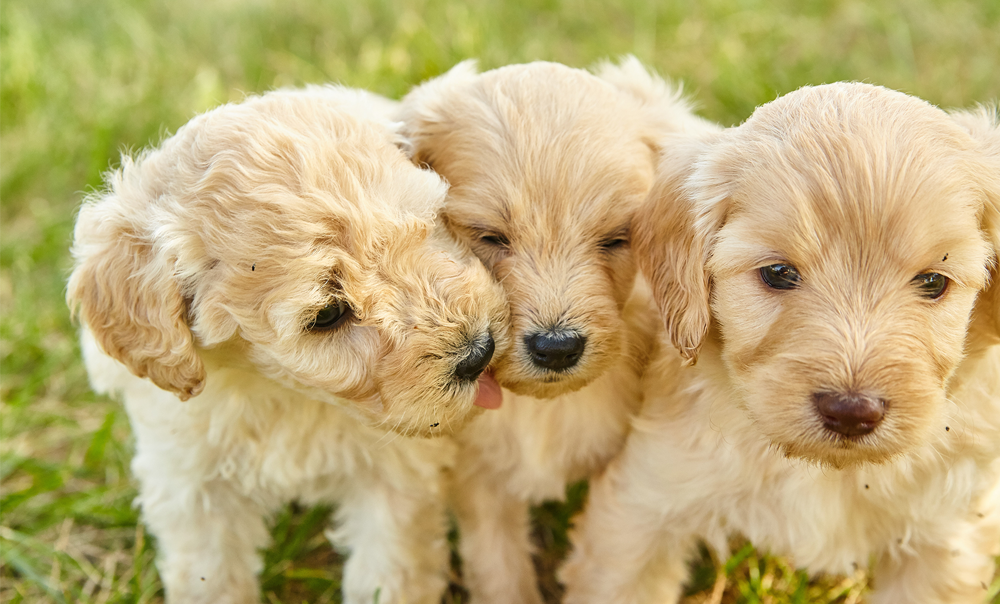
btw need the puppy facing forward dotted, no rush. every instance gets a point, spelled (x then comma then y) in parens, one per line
(831, 264)
(276, 271)
(547, 165)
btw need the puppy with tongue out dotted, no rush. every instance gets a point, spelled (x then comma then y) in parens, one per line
(473, 367)
(546, 166)
(490, 395)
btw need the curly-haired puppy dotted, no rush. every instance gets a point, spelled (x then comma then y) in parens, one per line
(832, 265)
(275, 269)
(547, 165)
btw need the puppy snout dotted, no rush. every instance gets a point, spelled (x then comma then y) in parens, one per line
(555, 350)
(849, 414)
(480, 352)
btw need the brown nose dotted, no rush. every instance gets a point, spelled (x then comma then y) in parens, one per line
(849, 413)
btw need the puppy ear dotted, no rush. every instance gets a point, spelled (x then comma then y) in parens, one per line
(129, 298)
(983, 123)
(672, 243)
(422, 110)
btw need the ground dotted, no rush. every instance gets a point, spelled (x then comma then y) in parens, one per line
(81, 81)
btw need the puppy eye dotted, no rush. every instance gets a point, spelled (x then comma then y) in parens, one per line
(780, 276)
(613, 244)
(495, 239)
(931, 285)
(331, 316)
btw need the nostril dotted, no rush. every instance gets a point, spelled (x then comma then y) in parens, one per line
(849, 414)
(555, 350)
(480, 354)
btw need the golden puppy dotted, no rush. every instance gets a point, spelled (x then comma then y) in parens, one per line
(831, 264)
(547, 165)
(276, 271)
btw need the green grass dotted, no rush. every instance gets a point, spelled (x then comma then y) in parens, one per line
(80, 81)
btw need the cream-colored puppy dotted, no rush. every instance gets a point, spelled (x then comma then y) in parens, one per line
(831, 264)
(277, 272)
(547, 165)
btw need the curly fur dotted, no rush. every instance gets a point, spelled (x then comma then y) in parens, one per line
(202, 265)
(552, 162)
(861, 188)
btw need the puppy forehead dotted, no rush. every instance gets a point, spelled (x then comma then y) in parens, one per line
(293, 193)
(875, 173)
(313, 144)
(541, 143)
(289, 159)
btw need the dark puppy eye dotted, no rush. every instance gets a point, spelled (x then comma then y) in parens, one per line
(613, 244)
(931, 285)
(495, 239)
(780, 276)
(331, 316)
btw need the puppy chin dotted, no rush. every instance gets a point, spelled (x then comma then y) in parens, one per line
(543, 388)
(525, 379)
(840, 453)
(442, 411)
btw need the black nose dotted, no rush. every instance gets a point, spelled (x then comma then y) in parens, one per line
(555, 350)
(849, 414)
(480, 353)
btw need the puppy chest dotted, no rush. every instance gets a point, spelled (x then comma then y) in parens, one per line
(837, 522)
(563, 440)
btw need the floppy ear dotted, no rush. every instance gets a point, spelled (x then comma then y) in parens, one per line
(671, 242)
(422, 110)
(128, 295)
(983, 123)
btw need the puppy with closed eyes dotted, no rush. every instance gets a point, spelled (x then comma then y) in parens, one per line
(832, 266)
(547, 165)
(273, 298)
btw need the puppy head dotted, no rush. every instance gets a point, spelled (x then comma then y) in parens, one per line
(547, 165)
(833, 248)
(294, 238)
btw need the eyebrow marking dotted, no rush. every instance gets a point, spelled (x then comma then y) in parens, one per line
(945, 258)
(504, 211)
(622, 232)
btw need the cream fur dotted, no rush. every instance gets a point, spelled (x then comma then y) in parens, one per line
(860, 188)
(553, 162)
(202, 266)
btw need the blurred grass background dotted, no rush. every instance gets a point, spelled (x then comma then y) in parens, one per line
(80, 81)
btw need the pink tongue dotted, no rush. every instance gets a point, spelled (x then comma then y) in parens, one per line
(489, 396)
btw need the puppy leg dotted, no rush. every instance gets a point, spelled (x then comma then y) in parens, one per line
(396, 536)
(494, 527)
(622, 554)
(208, 537)
(643, 518)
